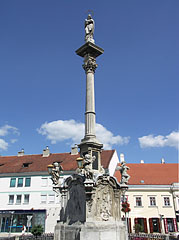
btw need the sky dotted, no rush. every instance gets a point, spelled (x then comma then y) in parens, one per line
(42, 82)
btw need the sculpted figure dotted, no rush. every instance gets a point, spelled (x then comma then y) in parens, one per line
(88, 169)
(89, 29)
(124, 175)
(56, 170)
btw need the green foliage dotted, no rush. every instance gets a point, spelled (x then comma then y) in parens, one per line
(37, 230)
(138, 228)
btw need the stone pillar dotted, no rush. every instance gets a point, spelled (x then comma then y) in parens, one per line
(90, 115)
(89, 144)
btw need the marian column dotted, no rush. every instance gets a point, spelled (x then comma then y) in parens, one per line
(90, 51)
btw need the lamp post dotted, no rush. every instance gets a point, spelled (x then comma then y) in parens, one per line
(161, 218)
(49, 167)
(12, 212)
(80, 162)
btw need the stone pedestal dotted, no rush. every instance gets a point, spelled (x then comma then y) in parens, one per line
(91, 209)
(91, 231)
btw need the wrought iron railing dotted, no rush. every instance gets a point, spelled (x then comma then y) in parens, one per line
(145, 236)
(47, 236)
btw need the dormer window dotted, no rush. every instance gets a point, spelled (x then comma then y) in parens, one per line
(25, 165)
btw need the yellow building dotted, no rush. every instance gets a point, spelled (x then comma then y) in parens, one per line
(151, 198)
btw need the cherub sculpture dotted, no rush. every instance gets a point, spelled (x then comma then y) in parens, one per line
(124, 175)
(88, 165)
(55, 174)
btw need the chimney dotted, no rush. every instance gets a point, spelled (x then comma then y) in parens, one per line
(20, 153)
(141, 161)
(46, 152)
(122, 157)
(162, 160)
(74, 150)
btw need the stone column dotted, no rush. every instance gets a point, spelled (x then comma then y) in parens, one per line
(89, 144)
(90, 115)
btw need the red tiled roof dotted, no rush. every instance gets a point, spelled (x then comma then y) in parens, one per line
(151, 173)
(38, 163)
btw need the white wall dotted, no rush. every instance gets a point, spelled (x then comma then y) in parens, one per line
(35, 191)
(113, 163)
(147, 211)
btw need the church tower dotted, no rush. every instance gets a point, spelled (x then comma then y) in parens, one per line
(90, 51)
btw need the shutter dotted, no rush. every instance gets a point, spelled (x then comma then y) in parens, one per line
(135, 221)
(159, 225)
(145, 225)
(175, 224)
(129, 225)
(166, 225)
(151, 225)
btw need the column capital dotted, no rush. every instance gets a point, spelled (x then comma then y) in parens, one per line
(89, 63)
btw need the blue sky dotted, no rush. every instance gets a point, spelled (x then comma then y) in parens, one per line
(42, 82)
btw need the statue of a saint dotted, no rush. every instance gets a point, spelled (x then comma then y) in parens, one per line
(89, 29)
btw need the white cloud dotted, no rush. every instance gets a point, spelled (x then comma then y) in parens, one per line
(108, 139)
(73, 131)
(3, 144)
(14, 140)
(6, 129)
(171, 140)
(62, 130)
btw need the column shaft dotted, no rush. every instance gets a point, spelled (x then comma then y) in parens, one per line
(90, 116)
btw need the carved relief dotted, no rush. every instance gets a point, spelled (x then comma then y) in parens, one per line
(105, 200)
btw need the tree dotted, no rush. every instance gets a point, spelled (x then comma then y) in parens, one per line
(37, 230)
(138, 228)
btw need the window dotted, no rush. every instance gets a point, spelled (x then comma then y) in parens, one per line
(44, 182)
(27, 182)
(166, 201)
(26, 198)
(138, 201)
(170, 225)
(13, 182)
(26, 164)
(51, 198)
(43, 198)
(18, 199)
(11, 199)
(20, 182)
(154, 224)
(152, 201)
(140, 225)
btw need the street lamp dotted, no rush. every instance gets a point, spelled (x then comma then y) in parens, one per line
(49, 167)
(12, 212)
(161, 218)
(80, 162)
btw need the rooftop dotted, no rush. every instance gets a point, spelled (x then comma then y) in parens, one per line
(38, 163)
(151, 173)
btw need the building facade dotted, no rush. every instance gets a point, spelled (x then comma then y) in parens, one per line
(151, 198)
(26, 195)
